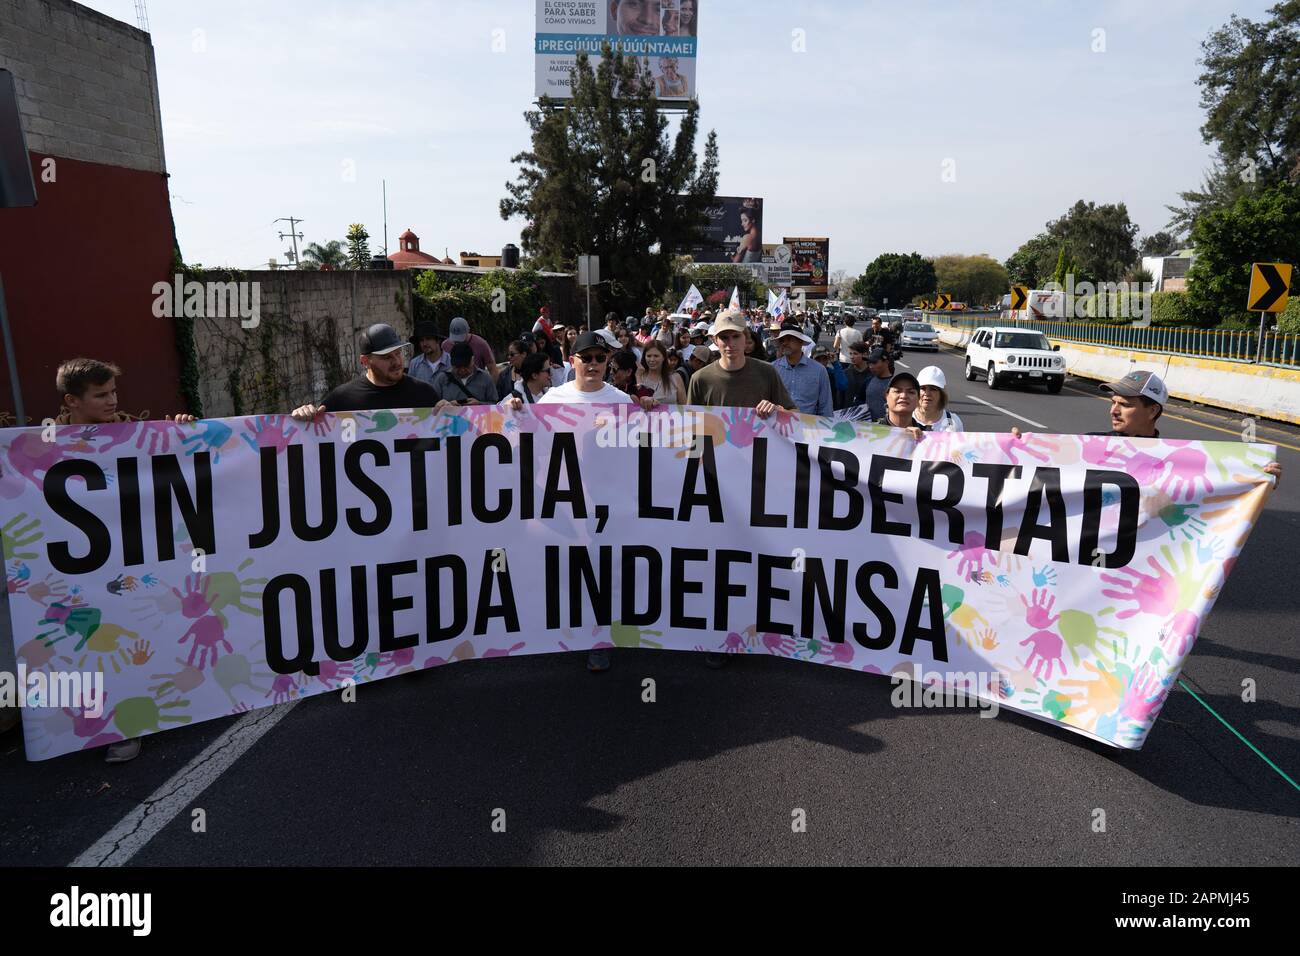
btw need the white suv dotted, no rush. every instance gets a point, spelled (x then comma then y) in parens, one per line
(1004, 355)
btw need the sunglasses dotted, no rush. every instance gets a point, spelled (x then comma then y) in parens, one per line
(599, 358)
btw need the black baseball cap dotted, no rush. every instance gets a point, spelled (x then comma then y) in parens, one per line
(876, 355)
(905, 375)
(380, 339)
(589, 340)
(462, 355)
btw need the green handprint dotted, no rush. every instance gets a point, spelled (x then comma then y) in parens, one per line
(627, 635)
(1221, 452)
(383, 421)
(1080, 630)
(842, 432)
(1190, 578)
(13, 537)
(1057, 705)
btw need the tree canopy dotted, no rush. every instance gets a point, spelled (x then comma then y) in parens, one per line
(973, 279)
(603, 177)
(895, 277)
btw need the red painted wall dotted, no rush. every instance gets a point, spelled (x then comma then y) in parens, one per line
(78, 270)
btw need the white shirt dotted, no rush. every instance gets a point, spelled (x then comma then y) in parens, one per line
(949, 422)
(847, 336)
(568, 394)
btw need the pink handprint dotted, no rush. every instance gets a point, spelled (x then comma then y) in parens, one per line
(1012, 446)
(396, 660)
(786, 424)
(842, 653)
(550, 417)
(331, 671)
(506, 651)
(1144, 696)
(208, 633)
(1187, 466)
(1101, 451)
(743, 426)
(1152, 593)
(1179, 632)
(1045, 648)
(155, 437)
(269, 431)
(778, 644)
(734, 644)
(1038, 614)
(195, 602)
(970, 556)
(284, 688)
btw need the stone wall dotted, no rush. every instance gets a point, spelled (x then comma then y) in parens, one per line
(305, 341)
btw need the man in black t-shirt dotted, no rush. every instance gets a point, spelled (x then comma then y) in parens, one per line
(384, 384)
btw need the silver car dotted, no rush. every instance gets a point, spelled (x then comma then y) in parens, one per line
(919, 335)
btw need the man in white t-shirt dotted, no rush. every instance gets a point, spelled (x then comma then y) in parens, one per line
(590, 357)
(845, 338)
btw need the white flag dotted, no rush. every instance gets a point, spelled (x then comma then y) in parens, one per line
(782, 304)
(693, 298)
(735, 298)
(773, 303)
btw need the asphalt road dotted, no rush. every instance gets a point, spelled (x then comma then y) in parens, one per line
(713, 771)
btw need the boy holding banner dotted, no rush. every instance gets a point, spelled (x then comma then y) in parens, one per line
(89, 397)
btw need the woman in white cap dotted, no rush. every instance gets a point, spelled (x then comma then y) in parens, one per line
(932, 410)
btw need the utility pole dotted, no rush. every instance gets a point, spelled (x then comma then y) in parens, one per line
(141, 15)
(385, 182)
(292, 233)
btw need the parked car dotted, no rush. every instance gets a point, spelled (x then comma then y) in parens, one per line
(919, 335)
(1002, 355)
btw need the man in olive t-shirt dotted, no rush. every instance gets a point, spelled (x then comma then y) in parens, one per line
(734, 381)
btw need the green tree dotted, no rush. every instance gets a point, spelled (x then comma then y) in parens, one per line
(330, 255)
(895, 277)
(1031, 264)
(603, 177)
(1260, 227)
(973, 279)
(1220, 188)
(1100, 237)
(358, 246)
(1158, 244)
(711, 279)
(1250, 90)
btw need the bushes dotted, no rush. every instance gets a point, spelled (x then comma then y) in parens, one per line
(1289, 319)
(498, 305)
(1171, 309)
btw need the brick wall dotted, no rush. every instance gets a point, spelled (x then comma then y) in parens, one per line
(87, 86)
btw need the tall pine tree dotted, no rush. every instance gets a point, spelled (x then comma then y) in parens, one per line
(604, 178)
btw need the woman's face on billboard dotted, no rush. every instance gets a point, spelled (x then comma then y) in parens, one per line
(636, 17)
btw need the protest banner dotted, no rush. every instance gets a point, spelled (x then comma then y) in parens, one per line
(210, 568)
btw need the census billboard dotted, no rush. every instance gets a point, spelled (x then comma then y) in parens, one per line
(661, 33)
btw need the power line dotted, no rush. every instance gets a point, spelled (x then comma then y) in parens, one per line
(292, 233)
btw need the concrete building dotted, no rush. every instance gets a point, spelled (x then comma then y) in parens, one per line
(1169, 273)
(481, 261)
(79, 267)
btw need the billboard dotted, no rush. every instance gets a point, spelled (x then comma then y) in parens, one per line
(733, 233)
(810, 264)
(662, 33)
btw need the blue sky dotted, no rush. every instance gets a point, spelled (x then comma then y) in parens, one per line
(267, 107)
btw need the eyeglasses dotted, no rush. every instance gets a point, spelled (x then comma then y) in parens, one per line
(599, 358)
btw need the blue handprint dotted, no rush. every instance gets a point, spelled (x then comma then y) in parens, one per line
(452, 425)
(1207, 553)
(211, 436)
(1109, 497)
(1044, 576)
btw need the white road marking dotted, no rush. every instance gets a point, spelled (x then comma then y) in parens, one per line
(1028, 421)
(134, 831)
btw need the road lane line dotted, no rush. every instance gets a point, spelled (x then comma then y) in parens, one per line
(134, 831)
(1028, 421)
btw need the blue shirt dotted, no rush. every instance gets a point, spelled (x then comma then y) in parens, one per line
(876, 389)
(421, 369)
(808, 384)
